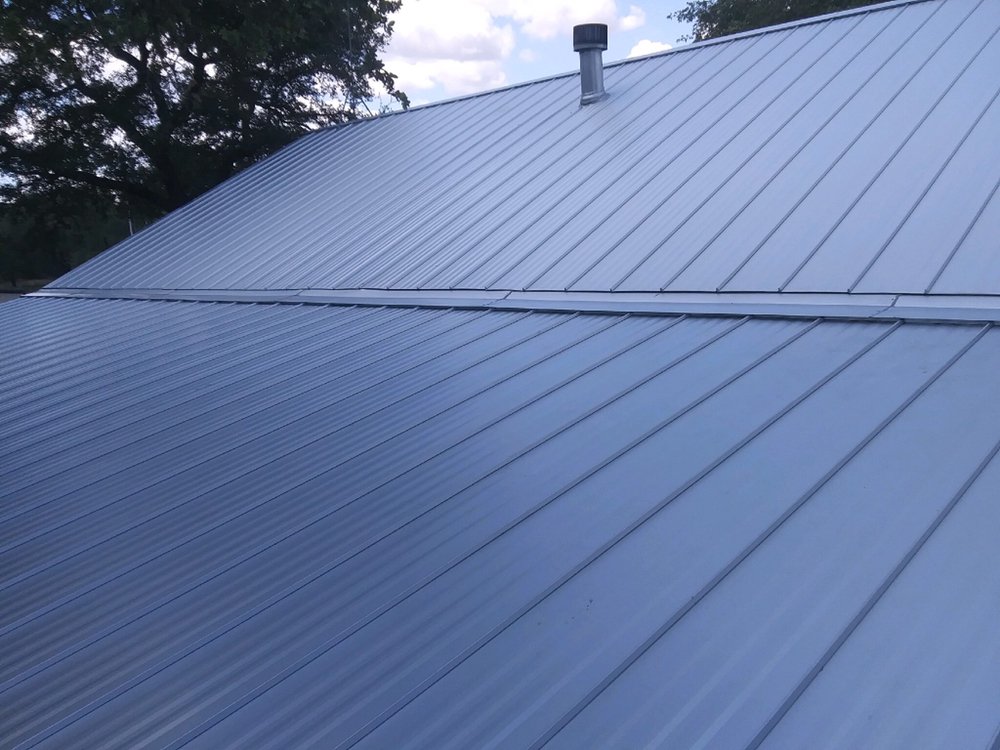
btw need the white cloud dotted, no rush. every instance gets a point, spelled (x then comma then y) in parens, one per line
(647, 47)
(636, 17)
(449, 30)
(544, 19)
(454, 76)
(457, 45)
(460, 46)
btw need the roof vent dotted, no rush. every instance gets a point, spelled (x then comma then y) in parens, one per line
(590, 40)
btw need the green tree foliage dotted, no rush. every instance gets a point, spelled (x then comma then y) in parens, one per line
(715, 18)
(148, 103)
(45, 233)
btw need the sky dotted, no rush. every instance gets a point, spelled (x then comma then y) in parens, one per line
(445, 48)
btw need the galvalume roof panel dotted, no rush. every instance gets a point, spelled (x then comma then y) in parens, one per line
(276, 525)
(850, 154)
(507, 422)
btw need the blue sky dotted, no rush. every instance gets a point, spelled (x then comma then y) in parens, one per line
(446, 48)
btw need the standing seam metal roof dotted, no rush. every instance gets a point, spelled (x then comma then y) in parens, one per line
(393, 527)
(853, 154)
(639, 425)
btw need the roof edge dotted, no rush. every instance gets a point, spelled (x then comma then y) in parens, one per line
(840, 305)
(874, 7)
(674, 50)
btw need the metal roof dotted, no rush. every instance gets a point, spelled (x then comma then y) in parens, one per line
(667, 422)
(249, 525)
(856, 153)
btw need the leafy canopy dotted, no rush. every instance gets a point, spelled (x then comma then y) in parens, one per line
(154, 101)
(715, 18)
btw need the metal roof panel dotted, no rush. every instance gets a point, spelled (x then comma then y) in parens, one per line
(792, 158)
(281, 524)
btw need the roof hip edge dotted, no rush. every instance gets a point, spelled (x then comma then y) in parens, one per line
(674, 50)
(808, 21)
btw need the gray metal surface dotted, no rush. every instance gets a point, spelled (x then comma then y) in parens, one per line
(403, 442)
(591, 40)
(253, 525)
(854, 154)
(840, 306)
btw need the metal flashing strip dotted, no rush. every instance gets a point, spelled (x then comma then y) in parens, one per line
(843, 306)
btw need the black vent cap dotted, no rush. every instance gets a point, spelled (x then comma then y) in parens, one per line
(590, 36)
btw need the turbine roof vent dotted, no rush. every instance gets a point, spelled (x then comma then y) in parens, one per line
(590, 40)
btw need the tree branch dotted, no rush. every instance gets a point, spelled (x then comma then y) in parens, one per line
(29, 168)
(99, 181)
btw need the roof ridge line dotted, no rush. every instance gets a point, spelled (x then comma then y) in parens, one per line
(808, 21)
(625, 61)
(840, 305)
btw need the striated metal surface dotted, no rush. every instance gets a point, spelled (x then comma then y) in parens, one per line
(402, 440)
(967, 308)
(854, 154)
(253, 525)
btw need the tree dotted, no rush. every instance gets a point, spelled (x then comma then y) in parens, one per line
(44, 234)
(151, 102)
(715, 18)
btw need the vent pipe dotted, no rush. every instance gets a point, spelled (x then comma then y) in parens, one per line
(590, 40)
